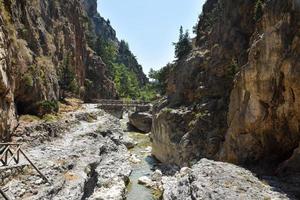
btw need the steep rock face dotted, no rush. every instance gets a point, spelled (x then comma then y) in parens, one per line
(7, 109)
(101, 27)
(240, 83)
(46, 55)
(264, 113)
(201, 83)
(50, 41)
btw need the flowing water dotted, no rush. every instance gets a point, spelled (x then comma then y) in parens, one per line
(143, 168)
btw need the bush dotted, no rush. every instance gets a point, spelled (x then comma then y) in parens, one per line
(47, 107)
(27, 80)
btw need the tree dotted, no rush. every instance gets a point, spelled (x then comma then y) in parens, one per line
(184, 45)
(160, 78)
(108, 51)
(126, 81)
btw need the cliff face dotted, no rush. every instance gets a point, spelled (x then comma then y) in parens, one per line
(199, 86)
(46, 54)
(7, 108)
(264, 115)
(234, 98)
(101, 27)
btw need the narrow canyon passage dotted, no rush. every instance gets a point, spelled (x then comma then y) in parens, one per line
(87, 160)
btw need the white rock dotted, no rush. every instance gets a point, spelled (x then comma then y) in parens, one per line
(147, 150)
(145, 180)
(156, 176)
(185, 170)
(134, 159)
(38, 182)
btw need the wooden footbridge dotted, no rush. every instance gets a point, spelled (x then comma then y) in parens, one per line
(111, 103)
(10, 157)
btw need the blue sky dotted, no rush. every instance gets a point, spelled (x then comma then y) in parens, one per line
(151, 26)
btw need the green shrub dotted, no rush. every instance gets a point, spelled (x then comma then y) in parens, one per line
(27, 80)
(47, 107)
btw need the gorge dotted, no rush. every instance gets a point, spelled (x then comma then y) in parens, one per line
(225, 113)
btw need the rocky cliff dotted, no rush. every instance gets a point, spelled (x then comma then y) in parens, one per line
(235, 97)
(103, 29)
(47, 54)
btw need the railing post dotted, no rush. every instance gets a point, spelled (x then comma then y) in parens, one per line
(41, 174)
(4, 195)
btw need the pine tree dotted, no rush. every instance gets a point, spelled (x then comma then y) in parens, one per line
(184, 46)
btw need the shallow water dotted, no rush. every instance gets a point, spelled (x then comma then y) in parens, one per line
(136, 191)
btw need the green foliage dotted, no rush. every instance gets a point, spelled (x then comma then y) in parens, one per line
(126, 82)
(148, 93)
(258, 10)
(120, 62)
(27, 80)
(46, 107)
(184, 45)
(159, 78)
(126, 57)
(108, 51)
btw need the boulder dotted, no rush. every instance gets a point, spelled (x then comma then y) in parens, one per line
(146, 181)
(216, 180)
(157, 176)
(141, 121)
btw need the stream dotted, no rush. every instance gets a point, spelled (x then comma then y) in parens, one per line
(143, 168)
(141, 152)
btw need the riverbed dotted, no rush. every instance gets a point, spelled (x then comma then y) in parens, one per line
(143, 168)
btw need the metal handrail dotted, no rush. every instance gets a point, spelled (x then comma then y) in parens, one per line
(9, 154)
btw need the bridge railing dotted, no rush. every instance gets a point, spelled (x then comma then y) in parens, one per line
(126, 103)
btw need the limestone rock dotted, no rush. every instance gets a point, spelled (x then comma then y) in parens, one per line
(54, 41)
(264, 115)
(217, 180)
(240, 85)
(199, 85)
(141, 121)
(7, 110)
(80, 162)
(156, 176)
(144, 180)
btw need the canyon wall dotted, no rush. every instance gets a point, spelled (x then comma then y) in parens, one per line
(47, 54)
(7, 108)
(235, 96)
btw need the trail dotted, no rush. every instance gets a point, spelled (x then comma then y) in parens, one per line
(87, 161)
